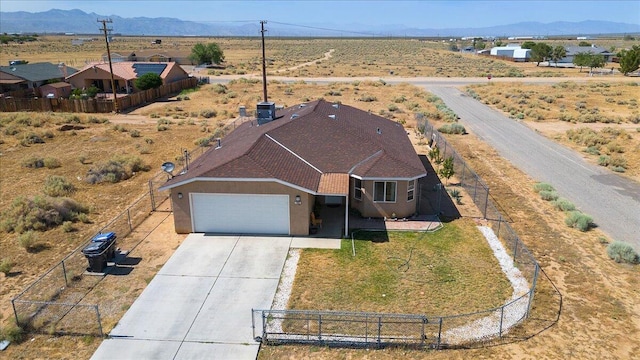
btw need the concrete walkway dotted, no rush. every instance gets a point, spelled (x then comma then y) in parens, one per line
(199, 304)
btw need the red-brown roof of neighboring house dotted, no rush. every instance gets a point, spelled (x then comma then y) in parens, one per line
(314, 146)
(125, 69)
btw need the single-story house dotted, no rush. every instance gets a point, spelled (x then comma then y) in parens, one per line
(32, 76)
(156, 55)
(266, 176)
(124, 74)
(573, 50)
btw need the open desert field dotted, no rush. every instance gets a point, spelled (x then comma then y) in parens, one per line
(600, 312)
(348, 57)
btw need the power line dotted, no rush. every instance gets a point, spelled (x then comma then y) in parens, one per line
(326, 29)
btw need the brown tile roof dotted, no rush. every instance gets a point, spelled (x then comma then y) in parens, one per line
(124, 69)
(315, 146)
(334, 184)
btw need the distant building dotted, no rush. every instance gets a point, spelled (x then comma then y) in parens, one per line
(573, 50)
(31, 76)
(512, 51)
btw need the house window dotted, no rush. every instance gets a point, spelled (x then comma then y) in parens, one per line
(384, 191)
(357, 189)
(410, 189)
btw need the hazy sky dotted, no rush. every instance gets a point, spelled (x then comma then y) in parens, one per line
(422, 14)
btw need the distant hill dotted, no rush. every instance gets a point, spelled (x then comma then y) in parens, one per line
(79, 22)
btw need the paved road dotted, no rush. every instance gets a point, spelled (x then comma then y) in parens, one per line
(612, 201)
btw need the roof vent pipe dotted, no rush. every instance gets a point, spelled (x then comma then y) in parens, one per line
(336, 105)
(332, 116)
(378, 131)
(219, 143)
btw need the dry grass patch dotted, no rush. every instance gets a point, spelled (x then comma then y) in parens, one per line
(452, 271)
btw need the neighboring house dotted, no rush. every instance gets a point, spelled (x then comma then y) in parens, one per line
(115, 57)
(124, 73)
(573, 50)
(156, 55)
(512, 51)
(55, 90)
(32, 76)
(267, 178)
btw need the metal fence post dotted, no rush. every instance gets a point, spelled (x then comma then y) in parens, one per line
(379, 331)
(515, 248)
(464, 167)
(475, 189)
(319, 327)
(536, 272)
(264, 327)
(64, 271)
(99, 321)
(129, 220)
(486, 202)
(153, 203)
(439, 334)
(253, 324)
(15, 312)
(501, 317)
(423, 336)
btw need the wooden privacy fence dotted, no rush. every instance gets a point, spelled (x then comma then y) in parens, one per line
(95, 105)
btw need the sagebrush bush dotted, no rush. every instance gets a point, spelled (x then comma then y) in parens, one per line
(55, 185)
(117, 169)
(134, 133)
(208, 113)
(541, 186)
(39, 213)
(13, 333)
(454, 128)
(6, 265)
(28, 240)
(622, 252)
(51, 163)
(563, 204)
(548, 195)
(578, 220)
(33, 162)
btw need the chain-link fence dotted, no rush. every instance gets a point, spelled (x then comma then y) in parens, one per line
(435, 332)
(52, 303)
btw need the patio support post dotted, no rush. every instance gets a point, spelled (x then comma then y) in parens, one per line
(346, 216)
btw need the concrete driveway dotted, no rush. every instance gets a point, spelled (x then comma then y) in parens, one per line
(199, 304)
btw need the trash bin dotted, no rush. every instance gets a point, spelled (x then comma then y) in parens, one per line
(109, 238)
(96, 253)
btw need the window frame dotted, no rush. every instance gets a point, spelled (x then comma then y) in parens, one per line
(385, 192)
(357, 190)
(411, 185)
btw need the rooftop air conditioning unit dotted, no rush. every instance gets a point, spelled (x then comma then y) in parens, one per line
(266, 112)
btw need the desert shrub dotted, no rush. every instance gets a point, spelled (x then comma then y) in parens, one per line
(97, 120)
(619, 161)
(28, 240)
(39, 213)
(604, 160)
(578, 220)
(30, 139)
(55, 185)
(6, 265)
(548, 195)
(393, 107)
(563, 204)
(618, 169)
(51, 163)
(148, 141)
(119, 128)
(220, 89)
(13, 333)
(333, 93)
(203, 142)
(118, 168)
(541, 186)
(162, 127)
(622, 252)
(592, 150)
(454, 128)
(67, 227)
(368, 98)
(208, 113)
(455, 194)
(134, 133)
(33, 162)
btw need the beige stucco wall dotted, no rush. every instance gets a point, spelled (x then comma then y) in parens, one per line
(176, 73)
(368, 208)
(299, 214)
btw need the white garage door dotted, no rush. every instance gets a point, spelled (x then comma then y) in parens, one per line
(240, 213)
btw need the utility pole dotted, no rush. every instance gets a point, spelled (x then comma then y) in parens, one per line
(264, 62)
(113, 82)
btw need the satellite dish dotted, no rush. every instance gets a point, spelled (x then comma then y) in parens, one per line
(168, 167)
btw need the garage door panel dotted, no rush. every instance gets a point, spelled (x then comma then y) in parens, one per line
(240, 213)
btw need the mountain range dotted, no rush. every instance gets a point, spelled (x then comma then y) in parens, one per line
(80, 22)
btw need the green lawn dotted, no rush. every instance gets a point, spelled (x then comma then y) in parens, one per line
(452, 271)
